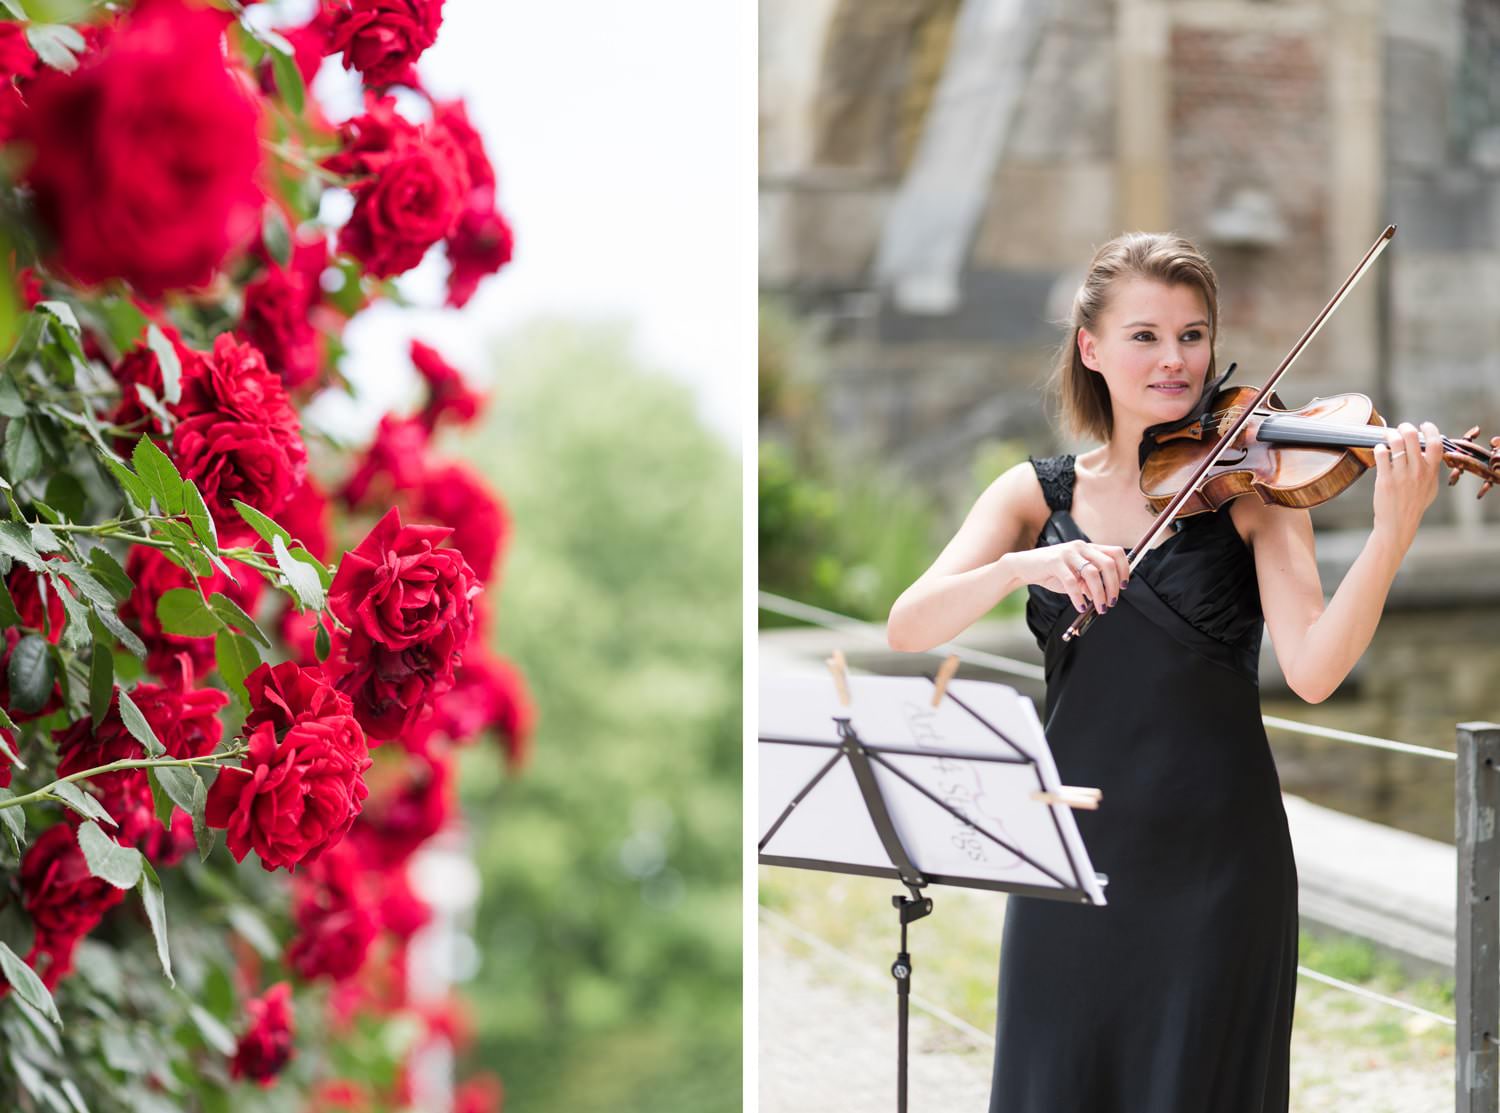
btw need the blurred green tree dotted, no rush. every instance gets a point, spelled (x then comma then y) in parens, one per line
(610, 921)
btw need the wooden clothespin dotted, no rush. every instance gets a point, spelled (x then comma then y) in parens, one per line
(1074, 796)
(840, 669)
(944, 674)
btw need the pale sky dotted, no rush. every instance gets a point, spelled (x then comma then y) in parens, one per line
(623, 138)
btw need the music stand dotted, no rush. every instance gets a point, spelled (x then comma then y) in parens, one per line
(892, 786)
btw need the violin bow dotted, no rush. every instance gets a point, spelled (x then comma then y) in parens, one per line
(1169, 512)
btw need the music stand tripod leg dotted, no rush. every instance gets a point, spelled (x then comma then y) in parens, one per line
(909, 908)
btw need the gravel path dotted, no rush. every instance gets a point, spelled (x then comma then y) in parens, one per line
(827, 1030)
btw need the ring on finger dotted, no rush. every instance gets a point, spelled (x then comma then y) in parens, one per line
(1398, 452)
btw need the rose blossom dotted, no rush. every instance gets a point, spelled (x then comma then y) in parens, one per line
(398, 589)
(411, 204)
(480, 244)
(239, 438)
(382, 38)
(452, 495)
(336, 921)
(391, 688)
(406, 812)
(286, 694)
(266, 1045)
(292, 799)
(64, 900)
(481, 1094)
(276, 320)
(145, 157)
(447, 393)
(392, 463)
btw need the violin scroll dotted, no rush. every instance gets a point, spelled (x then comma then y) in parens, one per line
(1464, 455)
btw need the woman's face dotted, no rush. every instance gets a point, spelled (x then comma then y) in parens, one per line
(1152, 346)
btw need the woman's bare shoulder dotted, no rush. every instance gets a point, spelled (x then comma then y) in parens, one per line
(1015, 504)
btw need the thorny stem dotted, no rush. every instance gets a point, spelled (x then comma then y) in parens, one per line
(46, 791)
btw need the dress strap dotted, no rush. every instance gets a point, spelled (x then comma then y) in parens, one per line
(1055, 473)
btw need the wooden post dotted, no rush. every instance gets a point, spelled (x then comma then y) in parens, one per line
(1476, 971)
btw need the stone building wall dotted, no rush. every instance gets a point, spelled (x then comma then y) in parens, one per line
(1280, 134)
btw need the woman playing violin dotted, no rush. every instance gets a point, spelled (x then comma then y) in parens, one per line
(1176, 996)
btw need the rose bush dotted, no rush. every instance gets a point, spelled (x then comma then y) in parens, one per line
(197, 639)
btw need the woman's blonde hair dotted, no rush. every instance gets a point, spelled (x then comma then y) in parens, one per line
(1160, 256)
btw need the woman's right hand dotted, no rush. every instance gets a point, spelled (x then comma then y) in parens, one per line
(1084, 572)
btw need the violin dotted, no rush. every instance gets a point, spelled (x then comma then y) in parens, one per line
(1297, 457)
(1292, 457)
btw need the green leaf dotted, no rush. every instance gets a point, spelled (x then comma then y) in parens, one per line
(277, 235)
(123, 634)
(23, 450)
(185, 548)
(197, 512)
(288, 81)
(177, 782)
(325, 577)
(15, 541)
(43, 540)
(84, 803)
(153, 405)
(161, 803)
(56, 44)
(108, 860)
(31, 674)
(108, 571)
(27, 985)
(305, 582)
(262, 525)
(9, 616)
(132, 484)
(61, 309)
(321, 644)
(137, 725)
(237, 658)
(101, 679)
(66, 493)
(75, 633)
(254, 931)
(218, 1037)
(14, 821)
(16, 929)
(181, 610)
(11, 402)
(159, 474)
(203, 834)
(231, 614)
(156, 912)
(171, 365)
(123, 321)
(14, 8)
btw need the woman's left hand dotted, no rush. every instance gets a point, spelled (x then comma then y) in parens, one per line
(1406, 480)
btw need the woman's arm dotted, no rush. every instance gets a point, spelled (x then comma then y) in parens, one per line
(1317, 645)
(989, 557)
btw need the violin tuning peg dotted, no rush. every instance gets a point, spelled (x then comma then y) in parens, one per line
(1488, 483)
(1453, 476)
(1471, 433)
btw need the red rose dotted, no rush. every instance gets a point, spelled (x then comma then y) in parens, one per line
(292, 799)
(454, 496)
(447, 393)
(5, 768)
(287, 694)
(479, 245)
(335, 921)
(399, 589)
(489, 693)
(393, 463)
(402, 912)
(411, 204)
(241, 460)
(306, 518)
(153, 575)
(139, 367)
(372, 141)
(453, 117)
(235, 383)
(340, 1094)
(405, 813)
(266, 1045)
(391, 688)
(65, 901)
(26, 590)
(146, 156)
(383, 38)
(186, 723)
(276, 320)
(18, 65)
(481, 1094)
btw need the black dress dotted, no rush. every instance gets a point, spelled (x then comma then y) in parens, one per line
(1176, 997)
